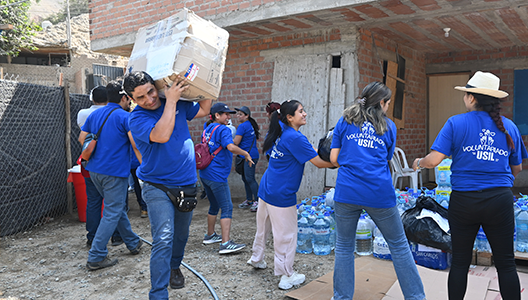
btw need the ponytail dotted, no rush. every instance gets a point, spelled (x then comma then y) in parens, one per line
(274, 132)
(492, 106)
(286, 109)
(368, 108)
(255, 127)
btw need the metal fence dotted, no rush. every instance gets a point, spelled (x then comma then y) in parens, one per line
(46, 78)
(33, 164)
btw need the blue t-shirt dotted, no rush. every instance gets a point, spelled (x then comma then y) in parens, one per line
(171, 163)
(248, 138)
(282, 179)
(220, 167)
(481, 157)
(112, 154)
(364, 177)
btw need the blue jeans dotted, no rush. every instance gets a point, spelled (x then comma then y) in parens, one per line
(248, 177)
(170, 231)
(94, 204)
(219, 198)
(389, 223)
(114, 190)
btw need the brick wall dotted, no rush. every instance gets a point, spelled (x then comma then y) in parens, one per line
(412, 138)
(111, 18)
(505, 74)
(247, 79)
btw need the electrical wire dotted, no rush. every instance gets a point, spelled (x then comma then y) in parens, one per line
(207, 284)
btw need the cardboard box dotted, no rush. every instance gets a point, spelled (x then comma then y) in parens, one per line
(183, 44)
(376, 280)
(373, 278)
(493, 289)
(435, 286)
(484, 258)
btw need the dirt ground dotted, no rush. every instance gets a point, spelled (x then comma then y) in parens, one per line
(49, 262)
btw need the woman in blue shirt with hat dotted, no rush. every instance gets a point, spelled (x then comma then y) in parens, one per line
(487, 152)
(214, 178)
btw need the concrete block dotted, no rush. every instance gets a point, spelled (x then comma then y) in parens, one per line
(521, 180)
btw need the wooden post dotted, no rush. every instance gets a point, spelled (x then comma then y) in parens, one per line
(1, 73)
(60, 82)
(67, 140)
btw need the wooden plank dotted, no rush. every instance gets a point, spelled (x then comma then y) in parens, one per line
(521, 255)
(305, 78)
(396, 78)
(336, 105)
(6, 26)
(392, 71)
(67, 144)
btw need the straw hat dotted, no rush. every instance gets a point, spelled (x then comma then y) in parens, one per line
(483, 83)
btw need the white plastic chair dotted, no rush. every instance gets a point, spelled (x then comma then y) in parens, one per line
(400, 169)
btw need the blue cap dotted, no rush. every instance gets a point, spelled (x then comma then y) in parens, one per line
(221, 107)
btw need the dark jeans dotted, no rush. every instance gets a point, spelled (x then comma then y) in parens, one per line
(250, 184)
(493, 210)
(137, 190)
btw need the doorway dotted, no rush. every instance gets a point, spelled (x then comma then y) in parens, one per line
(444, 102)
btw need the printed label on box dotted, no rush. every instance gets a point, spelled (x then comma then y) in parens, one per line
(192, 72)
(158, 66)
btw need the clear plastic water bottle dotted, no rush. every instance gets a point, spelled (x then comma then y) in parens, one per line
(321, 236)
(443, 172)
(314, 205)
(312, 217)
(301, 207)
(482, 242)
(443, 199)
(330, 220)
(304, 235)
(363, 237)
(380, 248)
(521, 222)
(330, 197)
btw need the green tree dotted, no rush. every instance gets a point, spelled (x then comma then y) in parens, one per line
(15, 12)
(77, 7)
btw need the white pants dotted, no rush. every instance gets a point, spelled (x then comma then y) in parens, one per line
(283, 222)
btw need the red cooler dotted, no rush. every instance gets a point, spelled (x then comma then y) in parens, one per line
(76, 177)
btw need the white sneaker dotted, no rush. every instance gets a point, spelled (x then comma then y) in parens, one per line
(287, 282)
(257, 265)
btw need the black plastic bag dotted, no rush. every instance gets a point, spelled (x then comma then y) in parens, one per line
(426, 231)
(324, 146)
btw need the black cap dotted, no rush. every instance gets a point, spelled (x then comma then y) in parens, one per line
(221, 107)
(245, 110)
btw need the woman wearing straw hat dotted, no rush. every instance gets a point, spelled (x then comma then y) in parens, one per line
(487, 153)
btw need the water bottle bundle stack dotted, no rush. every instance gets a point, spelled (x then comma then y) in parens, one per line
(316, 225)
(380, 248)
(521, 224)
(481, 242)
(443, 181)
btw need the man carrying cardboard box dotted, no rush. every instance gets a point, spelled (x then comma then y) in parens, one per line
(159, 127)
